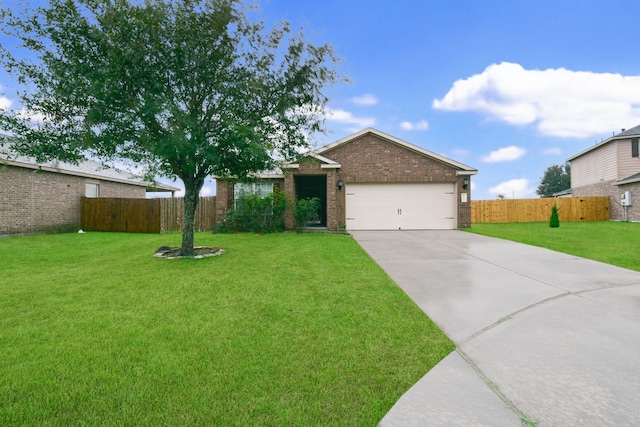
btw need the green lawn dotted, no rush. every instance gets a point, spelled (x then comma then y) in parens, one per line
(616, 243)
(282, 329)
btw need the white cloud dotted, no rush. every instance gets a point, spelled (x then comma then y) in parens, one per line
(514, 188)
(505, 154)
(347, 117)
(421, 125)
(560, 102)
(366, 100)
(5, 103)
(555, 151)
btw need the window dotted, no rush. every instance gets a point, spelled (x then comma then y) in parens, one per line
(91, 190)
(634, 147)
(261, 189)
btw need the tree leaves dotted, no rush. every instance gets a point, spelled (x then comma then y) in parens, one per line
(556, 178)
(185, 88)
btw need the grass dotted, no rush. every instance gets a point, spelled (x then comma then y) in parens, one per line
(282, 329)
(616, 243)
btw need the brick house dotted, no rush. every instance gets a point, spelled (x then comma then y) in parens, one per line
(370, 181)
(610, 168)
(46, 197)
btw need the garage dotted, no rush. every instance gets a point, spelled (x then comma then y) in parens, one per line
(400, 206)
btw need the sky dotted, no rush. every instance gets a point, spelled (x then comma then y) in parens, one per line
(506, 87)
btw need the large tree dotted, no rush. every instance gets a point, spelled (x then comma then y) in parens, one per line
(186, 89)
(556, 178)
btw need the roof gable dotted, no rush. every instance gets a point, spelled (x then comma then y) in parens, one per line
(326, 162)
(457, 165)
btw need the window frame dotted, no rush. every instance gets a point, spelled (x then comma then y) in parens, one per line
(261, 189)
(93, 185)
(635, 152)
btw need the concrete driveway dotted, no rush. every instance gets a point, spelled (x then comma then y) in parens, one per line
(540, 334)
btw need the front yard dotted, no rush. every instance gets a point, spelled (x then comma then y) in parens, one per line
(616, 243)
(282, 329)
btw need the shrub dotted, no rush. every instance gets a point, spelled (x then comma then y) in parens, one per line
(256, 214)
(554, 221)
(306, 211)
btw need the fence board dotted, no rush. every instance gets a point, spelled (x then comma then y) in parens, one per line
(571, 209)
(143, 215)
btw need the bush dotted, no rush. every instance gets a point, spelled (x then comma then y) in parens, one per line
(554, 221)
(306, 211)
(256, 214)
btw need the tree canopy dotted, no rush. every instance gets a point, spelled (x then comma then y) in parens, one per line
(186, 89)
(556, 178)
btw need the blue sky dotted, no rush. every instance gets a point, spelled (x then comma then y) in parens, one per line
(507, 87)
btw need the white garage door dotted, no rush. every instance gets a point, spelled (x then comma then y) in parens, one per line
(401, 206)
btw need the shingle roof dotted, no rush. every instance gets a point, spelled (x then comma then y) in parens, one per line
(629, 179)
(629, 132)
(86, 168)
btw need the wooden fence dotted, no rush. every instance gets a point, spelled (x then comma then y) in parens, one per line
(144, 215)
(571, 209)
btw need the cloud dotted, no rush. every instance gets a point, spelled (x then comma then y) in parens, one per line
(5, 103)
(505, 154)
(561, 102)
(342, 116)
(552, 151)
(514, 188)
(421, 125)
(366, 100)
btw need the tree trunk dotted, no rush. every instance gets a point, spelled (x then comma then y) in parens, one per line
(191, 198)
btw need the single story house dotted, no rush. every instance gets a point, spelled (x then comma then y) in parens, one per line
(611, 168)
(369, 181)
(46, 197)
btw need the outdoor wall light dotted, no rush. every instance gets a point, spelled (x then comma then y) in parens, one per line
(340, 184)
(465, 183)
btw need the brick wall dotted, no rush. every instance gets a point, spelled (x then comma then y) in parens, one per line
(368, 159)
(371, 159)
(225, 197)
(607, 188)
(33, 201)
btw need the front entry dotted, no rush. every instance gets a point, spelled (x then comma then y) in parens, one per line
(308, 186)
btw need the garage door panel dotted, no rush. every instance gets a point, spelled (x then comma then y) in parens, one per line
(400, 206)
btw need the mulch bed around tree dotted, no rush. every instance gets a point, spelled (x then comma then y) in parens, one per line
(166, 252)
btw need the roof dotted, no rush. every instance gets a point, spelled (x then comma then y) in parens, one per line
(629, 180)
(462, 168)
(86, 168)
(634, 131)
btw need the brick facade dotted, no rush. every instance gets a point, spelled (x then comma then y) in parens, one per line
(368, 157)
(33, 201)
(373, 159)
(607, 188)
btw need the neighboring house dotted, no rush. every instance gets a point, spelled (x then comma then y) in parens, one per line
(370, 181)
(46, 197)
(610, 168)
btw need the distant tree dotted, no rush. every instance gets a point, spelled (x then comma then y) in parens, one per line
(555, 179)
(500, 196)
(184, 88)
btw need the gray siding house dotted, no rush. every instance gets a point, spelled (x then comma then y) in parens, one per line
(610, 168)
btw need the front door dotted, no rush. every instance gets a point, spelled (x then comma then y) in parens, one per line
(308, 186)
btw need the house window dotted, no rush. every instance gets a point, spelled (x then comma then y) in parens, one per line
(634, 147)
(91, 190)
(261, 189)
